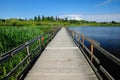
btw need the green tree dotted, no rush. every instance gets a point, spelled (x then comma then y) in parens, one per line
(43, 18)
(66, 19)
(35, 18)
(56, 18)
(52, 18)
(39, 19)
(113, 22)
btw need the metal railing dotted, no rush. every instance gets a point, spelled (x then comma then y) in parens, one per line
(79, 39)
(32, 54)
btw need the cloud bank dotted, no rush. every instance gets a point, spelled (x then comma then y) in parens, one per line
(98, 18)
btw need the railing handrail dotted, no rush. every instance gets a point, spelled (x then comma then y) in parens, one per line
(94, 44)
(12, 52)
(87, 38)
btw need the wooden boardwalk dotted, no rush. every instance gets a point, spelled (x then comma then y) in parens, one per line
(61, 60)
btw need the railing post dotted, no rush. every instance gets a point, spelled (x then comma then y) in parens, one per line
(39, 42)
(52, 34)
(48, 36)
(92, 48)
(83, 40)
(43, 41)
(78, 40)
(73, 34)
(28, 52)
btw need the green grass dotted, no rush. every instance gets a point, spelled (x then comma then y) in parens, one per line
(11, 37)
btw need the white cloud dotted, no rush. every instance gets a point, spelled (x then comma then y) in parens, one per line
(71, 17)
(105, 2)
(98, 18)
(101, 18)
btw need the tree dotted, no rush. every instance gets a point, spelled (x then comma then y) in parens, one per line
(47, 18)
(66, 19)
(35, 18)
(113, 22)
(56, 18)
(43, 18)
(21, 19)
(2, 20)
(39, 19)
(52, 18)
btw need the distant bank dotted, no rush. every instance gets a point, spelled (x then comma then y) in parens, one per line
(53, 21)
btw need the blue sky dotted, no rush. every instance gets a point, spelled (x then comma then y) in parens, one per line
(99, 10)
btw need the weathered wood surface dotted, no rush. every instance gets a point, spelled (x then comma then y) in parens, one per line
(61, 60)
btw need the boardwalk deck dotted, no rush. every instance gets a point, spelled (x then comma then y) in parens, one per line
(61, 60)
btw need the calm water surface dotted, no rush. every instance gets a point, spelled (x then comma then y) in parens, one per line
(109, 37)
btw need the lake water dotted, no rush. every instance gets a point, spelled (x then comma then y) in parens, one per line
(109, 38)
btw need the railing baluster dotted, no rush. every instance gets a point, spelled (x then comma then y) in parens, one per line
(39, 43)
(83, 40)
(43, 41)
(72, 33)
(28, 52)
(78, 40)
(92, 48)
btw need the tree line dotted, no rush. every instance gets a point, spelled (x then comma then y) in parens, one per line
(52, 21)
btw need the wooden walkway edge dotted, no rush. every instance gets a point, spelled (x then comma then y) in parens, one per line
(61, 60)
